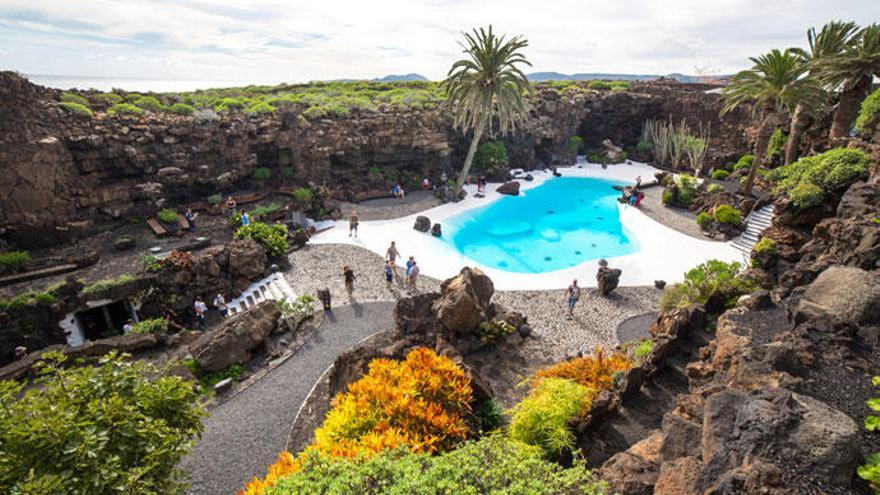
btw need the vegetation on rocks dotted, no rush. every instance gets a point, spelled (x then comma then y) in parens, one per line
(869, 112)
(720, 174)
(712, 280)
(261, 173)
(542, 418)
(714, 188)
(490, 157)
(676, 146)
(575, 144)
(181, 109)
(107, 283)
(727, 214)
(14, 260)
(118, 427)
(776, 148)
(272, 237)
(493, 464)
(167, 215)
(807, 181)
(125, 109)
(744, 162)
(767, 246)
(152, 325)
(76, 108)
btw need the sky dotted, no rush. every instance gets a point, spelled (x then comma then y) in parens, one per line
(274, 41)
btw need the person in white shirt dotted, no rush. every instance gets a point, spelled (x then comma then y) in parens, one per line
(201, 310)
(220, 304)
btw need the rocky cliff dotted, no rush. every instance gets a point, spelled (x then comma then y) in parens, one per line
(66, 174)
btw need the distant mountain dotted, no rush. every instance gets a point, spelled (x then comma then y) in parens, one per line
(558, 76)
(401, 78)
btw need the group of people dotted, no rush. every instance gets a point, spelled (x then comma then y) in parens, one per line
(410, 278)
(633, 195)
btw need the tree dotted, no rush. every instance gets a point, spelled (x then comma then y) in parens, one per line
(487, 86)
(115, 428)
(830, 41)
(852, 71)
(774, 84)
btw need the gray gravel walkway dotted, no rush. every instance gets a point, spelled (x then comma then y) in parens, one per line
(245, 434)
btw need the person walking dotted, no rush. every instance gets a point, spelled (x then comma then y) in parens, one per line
(230, 204)
(389, 273)
(220, 304)
(191, 219)
(413, 277)
(201, 310)
(349, 278)
(245, 219)
(572, 294)
(391, 255)
(353, 224)
(409, 264)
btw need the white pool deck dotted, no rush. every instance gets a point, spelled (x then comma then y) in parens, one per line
(664, 254)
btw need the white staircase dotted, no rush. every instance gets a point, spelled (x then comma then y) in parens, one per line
(274, 287)
(756, 222)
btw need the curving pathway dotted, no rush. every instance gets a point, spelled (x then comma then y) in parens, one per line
(245, 434)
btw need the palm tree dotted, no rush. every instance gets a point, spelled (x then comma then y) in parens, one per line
(852, 71)
(773, 85)
(830, 41)
(486, 86)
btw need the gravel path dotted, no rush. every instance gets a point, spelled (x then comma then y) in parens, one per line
(245, 434)
(388, 208)
(680, 219)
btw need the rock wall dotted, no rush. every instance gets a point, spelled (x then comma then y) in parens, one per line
(65, 174)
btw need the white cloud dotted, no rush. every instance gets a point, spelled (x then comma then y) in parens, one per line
(272, 40)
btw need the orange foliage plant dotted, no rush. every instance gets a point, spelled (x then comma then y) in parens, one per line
(419, 403)
(595, 371)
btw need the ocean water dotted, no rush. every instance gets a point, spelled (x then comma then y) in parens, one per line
(557, 225)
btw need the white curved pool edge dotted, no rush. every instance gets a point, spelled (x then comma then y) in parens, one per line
(665, 253)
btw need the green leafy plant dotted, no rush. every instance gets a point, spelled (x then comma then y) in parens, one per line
(714, 188)
(489, 416)
(542, 418)
(642, 349)
(869, 113)
(14, 260)
(302, 195)
(149, 103)
(125, 109)
(870, 470)
(711, 280)
(263, 211)
(67, 97)
(491, 156)
(105, 100)
(107, 283)
(806, 195)
(152, 325)
(599, 85)
(767, 246)
(261, 173)
(76, 108)
(705, 220)
(272, 237)
(494, 330)
(720, 174)
(807, 180)
(744, 162)
(215, 199)
(29, 298)
(575, 144)
(119, 427)
(728, 214)
(181, 109)
(776, 148)
(167, 215)
(261, 108)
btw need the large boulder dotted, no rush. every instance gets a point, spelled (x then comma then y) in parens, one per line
(846, 293)
(608, 279)
(423, 223)
(465, 300)
(414, 315)
(233, 342)
(510, 188)
(247, 262)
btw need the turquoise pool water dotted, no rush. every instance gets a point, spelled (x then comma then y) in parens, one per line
(559, 224)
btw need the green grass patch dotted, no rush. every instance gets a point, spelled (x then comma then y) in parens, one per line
(167, 215)
(14, 260)
(76, 109)
(107, 283)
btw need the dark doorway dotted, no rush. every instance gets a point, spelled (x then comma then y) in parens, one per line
(104, 321)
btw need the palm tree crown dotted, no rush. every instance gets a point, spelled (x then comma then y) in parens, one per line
(830, 41)
(775, 82)
(487, 86)
(858, 61)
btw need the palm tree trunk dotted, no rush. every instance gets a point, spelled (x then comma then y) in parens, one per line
(798, 124)
(762, 142)
(848, 107)
(466, 168)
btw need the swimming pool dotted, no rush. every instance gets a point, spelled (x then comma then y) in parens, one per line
(557, 225)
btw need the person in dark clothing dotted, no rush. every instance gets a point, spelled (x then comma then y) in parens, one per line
(349, 278)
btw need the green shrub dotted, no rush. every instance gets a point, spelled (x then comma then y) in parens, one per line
(76, 109)
(489, 416)
(728, 214)
(208, 380)
(265, 210)
(490, 156)
(215, 199)
(766, 246)
(105, 100)
(272, 237)
(14, 260)
(542, 418)
(720, 174)
(73, 98)
(776, 147)
(227, 104)
(107, 283)
(599, 85)
(870, 470)
(119, 427)
(807, 180)
(261, 108)
(714, 188)
(644, 146)
(29, 298)
(643, 349)
(491, 465)
(149, 103)
(712, 279)
(167, 215)
(686, 195)
(619, 85)
(869, 112)
(153, 325)
(125, 109)
(668, 197)
(303, 195)
(261, 173)
(574, 144)
(181, 109)
(704, 220)
(745, 162)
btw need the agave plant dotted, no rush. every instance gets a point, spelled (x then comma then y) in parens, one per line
(852, 71)
(828, 42)
(774, 84)
(487, 86)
